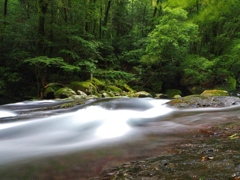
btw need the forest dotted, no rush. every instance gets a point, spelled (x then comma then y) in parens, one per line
(148, 44)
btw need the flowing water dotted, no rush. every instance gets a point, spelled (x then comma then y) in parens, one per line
(100, 131)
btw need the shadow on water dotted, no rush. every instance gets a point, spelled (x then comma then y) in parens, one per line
(90, 137)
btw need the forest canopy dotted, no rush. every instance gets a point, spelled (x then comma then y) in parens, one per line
(185, 44)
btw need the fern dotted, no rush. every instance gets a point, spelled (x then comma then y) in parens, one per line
(41, 62)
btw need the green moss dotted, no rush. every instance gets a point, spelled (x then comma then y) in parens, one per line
(215, 92)
(99, 84)
(64, 92)
(51, 88)
(113, 89)
(48, 90)
(187, 99)
(128, 88)
(85, 86)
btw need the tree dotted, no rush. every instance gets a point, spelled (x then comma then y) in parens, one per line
(168, 44)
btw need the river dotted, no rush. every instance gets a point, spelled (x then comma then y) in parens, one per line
(86, 139)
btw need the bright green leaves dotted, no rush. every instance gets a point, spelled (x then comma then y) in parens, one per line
(171, 37)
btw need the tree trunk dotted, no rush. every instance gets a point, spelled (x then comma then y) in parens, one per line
(106, 13)
(5, 8)
(100, 21)
(197, 6)
(156, 8)
(40, 45)
(42, 9)
(104, 24)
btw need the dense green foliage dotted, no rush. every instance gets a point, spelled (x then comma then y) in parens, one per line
(148, 44)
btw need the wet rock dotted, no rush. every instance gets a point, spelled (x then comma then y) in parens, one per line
(196, 101)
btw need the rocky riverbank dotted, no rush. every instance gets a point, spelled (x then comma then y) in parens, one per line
(212, 153)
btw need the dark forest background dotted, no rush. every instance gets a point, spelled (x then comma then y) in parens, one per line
(148, 44)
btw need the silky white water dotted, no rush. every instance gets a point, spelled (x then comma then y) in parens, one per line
(26, 131)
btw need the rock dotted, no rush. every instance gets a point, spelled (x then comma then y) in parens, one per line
(92, 97)
(86, 87)
(82, 94)
(215, 92)
(177, 96)
(196, 101)
(143, 94)
(161, 96)
(127, 88)
(235, 93)
(64, 92)
(98, 84)
(107, 94)
(78, 97)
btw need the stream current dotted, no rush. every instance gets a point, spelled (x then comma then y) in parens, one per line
(28, 132)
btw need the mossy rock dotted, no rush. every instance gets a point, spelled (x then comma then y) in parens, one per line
(196, 101)
(141, 94)
(107, 94)
(85, 86)
(127, 88)
(64, 93)
(97, 83)
(50, 89)
(176, 96)
(172, 92)
(113, 89)
(49, 93)
(215, 92)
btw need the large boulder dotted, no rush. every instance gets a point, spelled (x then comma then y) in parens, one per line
(196, 101)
